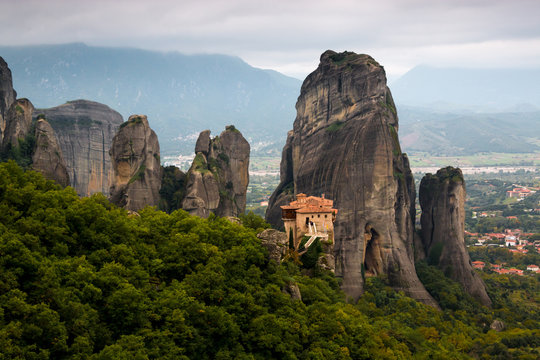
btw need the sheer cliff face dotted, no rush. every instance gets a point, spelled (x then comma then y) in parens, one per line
(85, 130)
(18, 122)
(218, 178)
(136, 165)
(442, 198)
(47, 157)
(7, 94)
(344, 143)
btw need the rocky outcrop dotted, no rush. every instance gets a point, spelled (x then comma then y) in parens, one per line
(202, 189)
(275, 242)
(18, 123)
(497, 325)
(47, 157)
(7, 94)
(203, 143)
(442, 198)
(33, 144)
(85, 130)
(218, 178)
(293, 291)
(327, 260)
(344, 143)
(136, 165)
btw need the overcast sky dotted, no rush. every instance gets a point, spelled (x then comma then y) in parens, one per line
(289, 35)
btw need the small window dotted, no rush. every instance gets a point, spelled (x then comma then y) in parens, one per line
(325, 216)
(319, 215)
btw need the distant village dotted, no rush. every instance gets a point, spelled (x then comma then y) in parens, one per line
(514, 240)
(499, 269)
(521, 192)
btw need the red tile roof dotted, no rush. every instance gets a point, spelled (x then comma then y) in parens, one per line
(310, 204)
(315, 209)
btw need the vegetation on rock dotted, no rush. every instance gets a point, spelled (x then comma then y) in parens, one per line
(22, 152)
(172, 189)
(335, 126)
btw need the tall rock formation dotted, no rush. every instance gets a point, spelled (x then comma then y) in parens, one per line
(136, 165)
(344, 143)
(218, 178)
(7, 94)
(33, 144)
(18, 123)
(47, 157)
(85, 130)
(442, 198)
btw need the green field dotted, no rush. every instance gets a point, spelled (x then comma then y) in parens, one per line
(480, 159)
(267, 163)
(424, 159)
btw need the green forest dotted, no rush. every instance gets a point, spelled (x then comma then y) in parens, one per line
(83, 279)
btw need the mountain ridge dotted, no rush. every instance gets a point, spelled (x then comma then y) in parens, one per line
(183, 94)
(464, 133)
(180, 93)
(454, 88)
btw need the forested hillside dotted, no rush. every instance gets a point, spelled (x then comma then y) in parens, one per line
(83, 279)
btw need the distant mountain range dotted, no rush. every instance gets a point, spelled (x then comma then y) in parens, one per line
(444, 111)
(446, 133)
(456, 111)
(181, 94)
(485, 90)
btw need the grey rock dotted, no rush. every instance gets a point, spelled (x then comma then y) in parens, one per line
(275, 242)
(203, 143)
(344, 144)
(202, 193)
(18, 123)
(218, 178)
(7, 94)
(442, 198)
(85, 130)
(327, 260)
(136, 165)
(497, 325)
(293, 290)
(47, 157)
